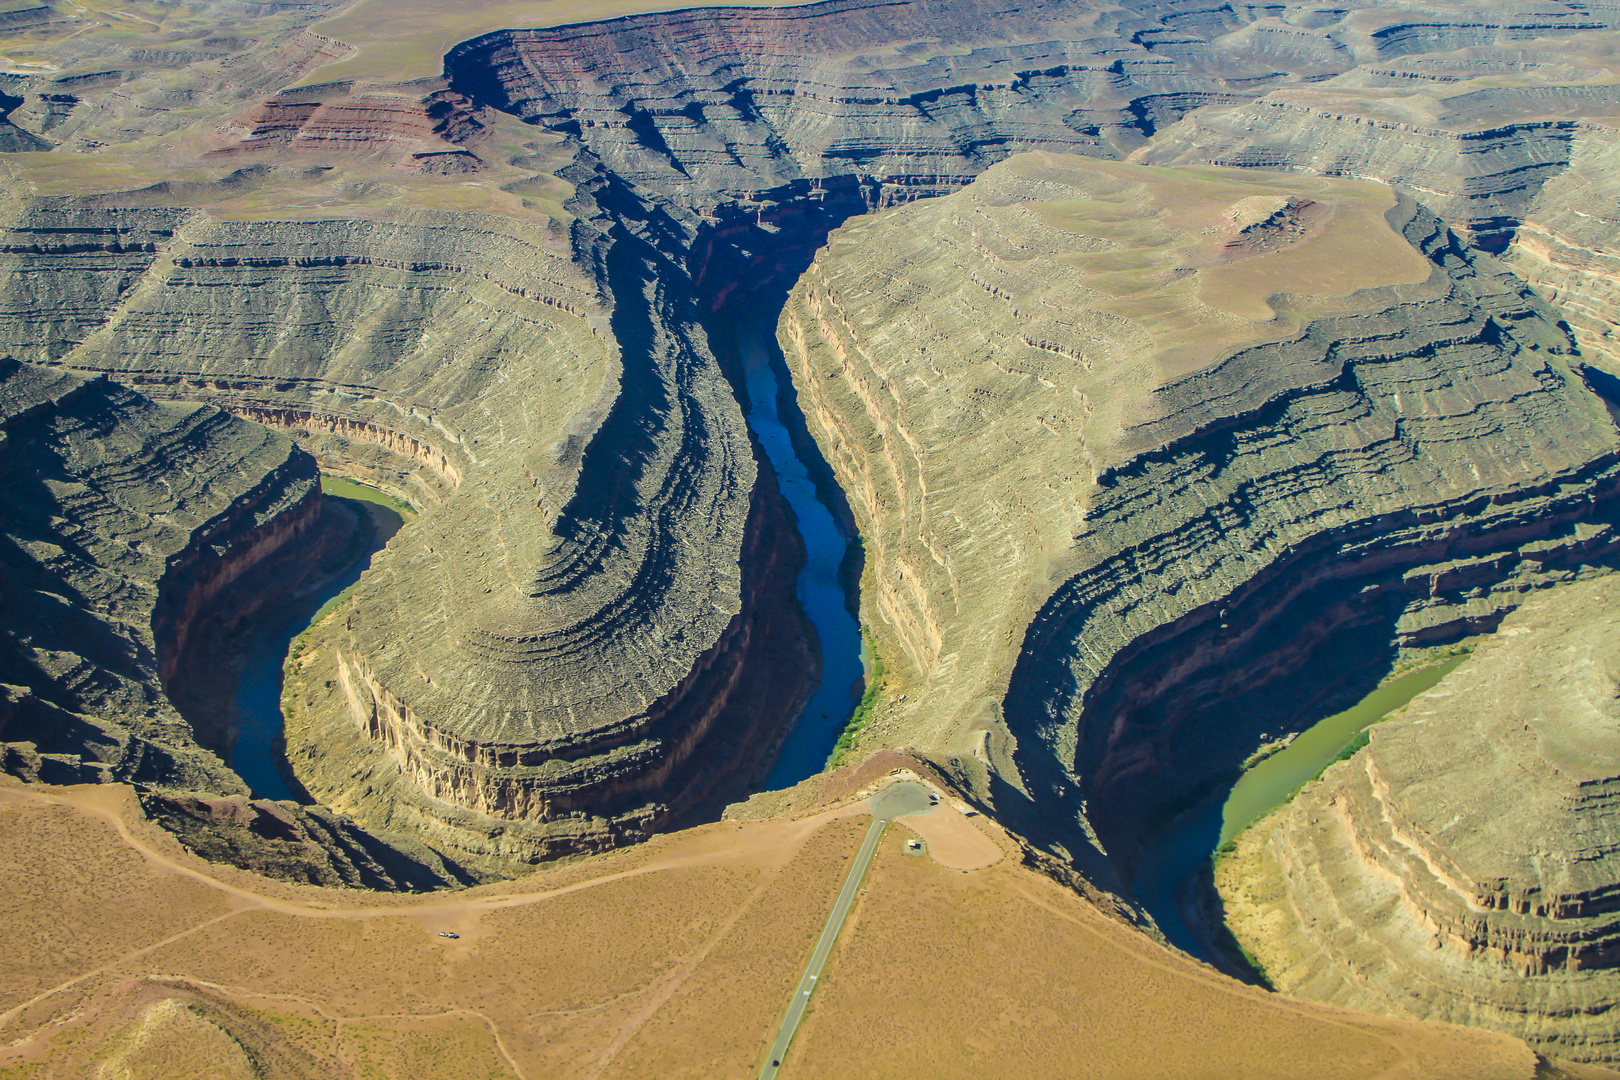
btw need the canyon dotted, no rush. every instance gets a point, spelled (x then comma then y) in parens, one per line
(1173, 370)
(1443, 903)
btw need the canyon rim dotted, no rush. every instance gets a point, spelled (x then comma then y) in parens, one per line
(1148, 382)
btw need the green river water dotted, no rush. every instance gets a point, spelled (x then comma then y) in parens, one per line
(1274, 781)
(1182, 848)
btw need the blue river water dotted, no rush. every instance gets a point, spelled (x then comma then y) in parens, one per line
(810, 743)
(255, 754)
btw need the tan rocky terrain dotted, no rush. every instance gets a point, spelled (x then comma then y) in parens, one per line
(1176, 367)
(1102, 440)
(230, 975)
(1461, 865)
(125, 521)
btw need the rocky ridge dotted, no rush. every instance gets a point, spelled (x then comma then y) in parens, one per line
(1461, 866)
(1565, 245)
(547, 653)
(126, 521)
(1162, 520)
(600, 524)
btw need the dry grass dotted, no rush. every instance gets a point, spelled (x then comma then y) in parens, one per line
(1003, 973)
(674, 959)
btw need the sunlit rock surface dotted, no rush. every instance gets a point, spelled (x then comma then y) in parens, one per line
(1462, 866)
(1119, 456)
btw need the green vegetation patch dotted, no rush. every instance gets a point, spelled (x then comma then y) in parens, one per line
(344, 488)
(862, 716)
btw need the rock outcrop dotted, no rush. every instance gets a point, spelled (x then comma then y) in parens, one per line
(307, 845)
(560, 632)
(128, 523)
(1565, 246)
(1225, 401)
(1461, 866)
(1112, 480)
(731, 110)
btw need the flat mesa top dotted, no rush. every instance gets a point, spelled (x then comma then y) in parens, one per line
(1209, 260)
(397, 40)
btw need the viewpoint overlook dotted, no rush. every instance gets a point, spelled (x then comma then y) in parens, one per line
(518, 516)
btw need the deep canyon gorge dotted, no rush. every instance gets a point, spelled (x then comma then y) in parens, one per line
(1148, 381)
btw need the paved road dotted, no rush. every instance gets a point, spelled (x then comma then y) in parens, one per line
(906, 797)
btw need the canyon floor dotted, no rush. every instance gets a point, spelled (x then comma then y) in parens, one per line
(130, 957)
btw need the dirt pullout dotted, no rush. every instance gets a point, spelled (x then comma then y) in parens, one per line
(671, 959)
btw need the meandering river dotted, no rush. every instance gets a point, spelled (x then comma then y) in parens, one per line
(1182, 849)
(811, 742)
(258, 755)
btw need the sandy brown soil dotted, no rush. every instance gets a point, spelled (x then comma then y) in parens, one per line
(127, 957)
(953, 840)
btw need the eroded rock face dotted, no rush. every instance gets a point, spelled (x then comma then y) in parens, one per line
(503, 323)
(559, 634)
(127, 523)
(1566, 245)
(722, 107)
(308, 845)
(1105, 493)
(1462, 865)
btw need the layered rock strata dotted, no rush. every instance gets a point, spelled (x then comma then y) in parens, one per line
(557, 637)
(345, 119)
(126, 523)
(724, 107)
(554, 649)
(720, 108)
(1461, 866)
(1113, 481)
(1482, 179)
(308, 845)
(1566, 245)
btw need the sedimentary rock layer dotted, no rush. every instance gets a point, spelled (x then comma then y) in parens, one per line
(1567, 245)
(719, 105)
(553, 649)
(558, 633)
(126, 521)
(1109, 481)
(1462, 866)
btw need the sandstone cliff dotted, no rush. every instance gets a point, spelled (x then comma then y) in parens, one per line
(1169, 405)
(560, 631)
(1565, 245)
(1112, 478)
(1461, 866)
(126, 522)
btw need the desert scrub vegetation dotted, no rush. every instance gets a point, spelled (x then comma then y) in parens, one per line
(864, 710)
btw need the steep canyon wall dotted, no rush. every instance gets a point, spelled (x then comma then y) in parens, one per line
(503, 322)
(1087, 543)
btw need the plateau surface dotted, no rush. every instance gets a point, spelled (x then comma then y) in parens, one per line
(1171, 369)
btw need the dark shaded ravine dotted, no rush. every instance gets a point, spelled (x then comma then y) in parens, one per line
(1172, 858)
(810, 743)
(258, 755)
